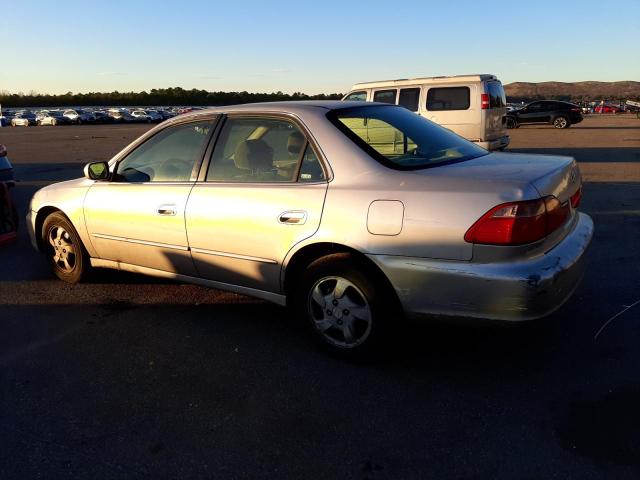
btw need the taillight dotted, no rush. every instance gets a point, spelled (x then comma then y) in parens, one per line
(576, 197)
(484, 101)
(518, 223)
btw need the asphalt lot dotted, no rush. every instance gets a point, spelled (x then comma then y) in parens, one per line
(132, 377)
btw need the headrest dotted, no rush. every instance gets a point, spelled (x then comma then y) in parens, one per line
(254, 155)
(295, 143)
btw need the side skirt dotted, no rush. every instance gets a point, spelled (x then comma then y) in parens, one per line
(251, 292)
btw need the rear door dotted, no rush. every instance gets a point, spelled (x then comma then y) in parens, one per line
(453, 107)
(262, 194)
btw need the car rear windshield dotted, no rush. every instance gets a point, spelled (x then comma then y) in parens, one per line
(401, 139)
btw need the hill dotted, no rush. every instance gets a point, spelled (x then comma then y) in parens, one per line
(524, 91)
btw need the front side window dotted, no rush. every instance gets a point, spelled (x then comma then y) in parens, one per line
(168, 156)
(448, 98)
(385, 96)
(402, 140)
(357, 96)
(263, 150)
(409, 98)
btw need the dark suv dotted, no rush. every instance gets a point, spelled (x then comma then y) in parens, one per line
(558, 114)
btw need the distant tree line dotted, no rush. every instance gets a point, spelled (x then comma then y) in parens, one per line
(155, 97)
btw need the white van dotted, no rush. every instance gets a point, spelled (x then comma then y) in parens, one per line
(473, 106)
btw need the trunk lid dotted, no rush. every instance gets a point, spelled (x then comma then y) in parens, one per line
(548, 174)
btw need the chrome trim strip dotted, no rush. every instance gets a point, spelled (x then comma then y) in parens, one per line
(232, 255)
(141, 242)
(251, 292)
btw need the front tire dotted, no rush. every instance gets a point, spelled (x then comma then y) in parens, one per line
(67, 255)
(346, 308)
(561, 122)
(511, 123)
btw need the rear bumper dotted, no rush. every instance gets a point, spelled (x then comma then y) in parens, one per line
(509, 291)
(497, 144)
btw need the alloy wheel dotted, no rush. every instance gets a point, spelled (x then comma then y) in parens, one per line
(340, 312)
(64, 251)
(560, 122)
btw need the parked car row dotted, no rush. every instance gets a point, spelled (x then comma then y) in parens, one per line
(78, 116)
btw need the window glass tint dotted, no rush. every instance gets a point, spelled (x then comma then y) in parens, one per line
(357, 96)
(257, 150)
(400, 139)
(448, 98)
(311, 170)
(385, 96)
(497, 98)
(409, 98)
(534, 107)
(168, 156)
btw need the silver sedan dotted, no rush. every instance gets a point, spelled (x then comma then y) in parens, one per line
(356, 215)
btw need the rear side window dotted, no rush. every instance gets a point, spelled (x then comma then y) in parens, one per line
(409, 98)
(448, 98)
(357, 96)
(385, 96)
(497, 98)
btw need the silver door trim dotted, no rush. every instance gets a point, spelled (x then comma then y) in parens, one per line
(232, 255)
(141, 242)
(252, 292)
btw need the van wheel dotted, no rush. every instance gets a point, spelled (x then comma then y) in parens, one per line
(512, 123)
(67, 255)
(346, 310)
(561, 122)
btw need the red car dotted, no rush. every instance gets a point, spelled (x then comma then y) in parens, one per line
(8, 213)
(606, 109)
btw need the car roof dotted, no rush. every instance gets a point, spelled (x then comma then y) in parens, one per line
(294, 107)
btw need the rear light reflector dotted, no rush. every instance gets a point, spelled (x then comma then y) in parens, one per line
(484, 101)
(519, 223)
(576, 197)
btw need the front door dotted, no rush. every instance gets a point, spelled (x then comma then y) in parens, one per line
(138, 217)
(264, 193)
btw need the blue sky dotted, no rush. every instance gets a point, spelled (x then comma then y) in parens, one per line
(313, 47)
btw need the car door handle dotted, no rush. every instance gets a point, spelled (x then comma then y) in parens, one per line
(168, 210)
(294, 217)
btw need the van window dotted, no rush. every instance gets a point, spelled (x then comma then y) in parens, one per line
(409, 98)
(497, 98)
(448, 98)
(385, 96)
(357, 96)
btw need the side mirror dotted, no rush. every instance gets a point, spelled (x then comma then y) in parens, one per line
(97, 171)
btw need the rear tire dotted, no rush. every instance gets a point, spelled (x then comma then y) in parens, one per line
(561, 122)
(346, 308)
(64, 249)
